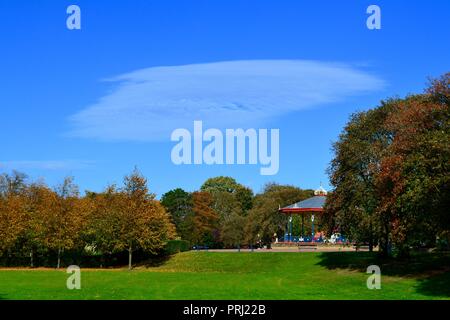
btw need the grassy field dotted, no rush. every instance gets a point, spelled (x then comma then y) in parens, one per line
(212, 275)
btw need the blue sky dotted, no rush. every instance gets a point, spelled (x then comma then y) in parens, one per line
(95, 102)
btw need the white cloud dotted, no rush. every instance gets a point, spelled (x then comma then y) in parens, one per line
(148, 104)
(45, 165)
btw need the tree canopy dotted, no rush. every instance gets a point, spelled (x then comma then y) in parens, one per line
(390, 172)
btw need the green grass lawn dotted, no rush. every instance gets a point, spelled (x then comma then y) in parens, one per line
(213, 275)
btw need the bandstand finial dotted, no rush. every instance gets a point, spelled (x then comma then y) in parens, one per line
(321, 191)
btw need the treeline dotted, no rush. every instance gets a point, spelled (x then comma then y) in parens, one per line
(40, 226)
(226, 214)
(391, 173)
(40, 223)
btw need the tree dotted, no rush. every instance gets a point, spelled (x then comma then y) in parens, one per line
(103, 221)
(225, 204)
(205, 219)
(131, 219)
(143, 225)
(353, 171)
(12, 209)
(36, 209)
(12, 221)
(233, 230)
(67, 189)
(220, 185)
(178, 204)
(414, 178)
(244, 196)
(230, 198)
(59, 217)
(13, 184)
(390, 172)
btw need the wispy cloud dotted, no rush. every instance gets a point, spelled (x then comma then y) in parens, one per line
(45, 165)
(148, 104)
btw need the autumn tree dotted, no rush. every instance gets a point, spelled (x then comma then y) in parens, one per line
(353, 171)
(37, 209)
(60, 216)
(12, 209)
(131, 219)
(390, 172)
(104, 221)
(205, 219)
(12, 220)
(414, 179)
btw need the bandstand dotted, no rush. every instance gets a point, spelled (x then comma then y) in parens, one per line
(307, 207)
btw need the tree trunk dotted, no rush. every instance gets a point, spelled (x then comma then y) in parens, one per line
(385, 246)
(31, 258)
(239, 248)
(130, 257)
(59, 258)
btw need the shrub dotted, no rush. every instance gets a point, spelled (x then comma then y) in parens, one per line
(175, 246)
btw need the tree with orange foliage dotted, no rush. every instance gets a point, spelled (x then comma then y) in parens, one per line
(391, 172)
(59, 217)
(414, 175)
(205, 219)
(130, 219)
(12, 220)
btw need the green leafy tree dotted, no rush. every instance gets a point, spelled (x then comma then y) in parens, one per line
(217, 186)
(233, 230)
(178, 204)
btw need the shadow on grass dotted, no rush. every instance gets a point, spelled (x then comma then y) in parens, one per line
(432, 270)
(437, 285)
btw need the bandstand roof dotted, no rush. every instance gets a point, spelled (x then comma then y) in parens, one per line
(313, 204)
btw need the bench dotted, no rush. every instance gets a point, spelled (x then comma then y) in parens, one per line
(307, 246)
(362, 247)
(197, 248)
